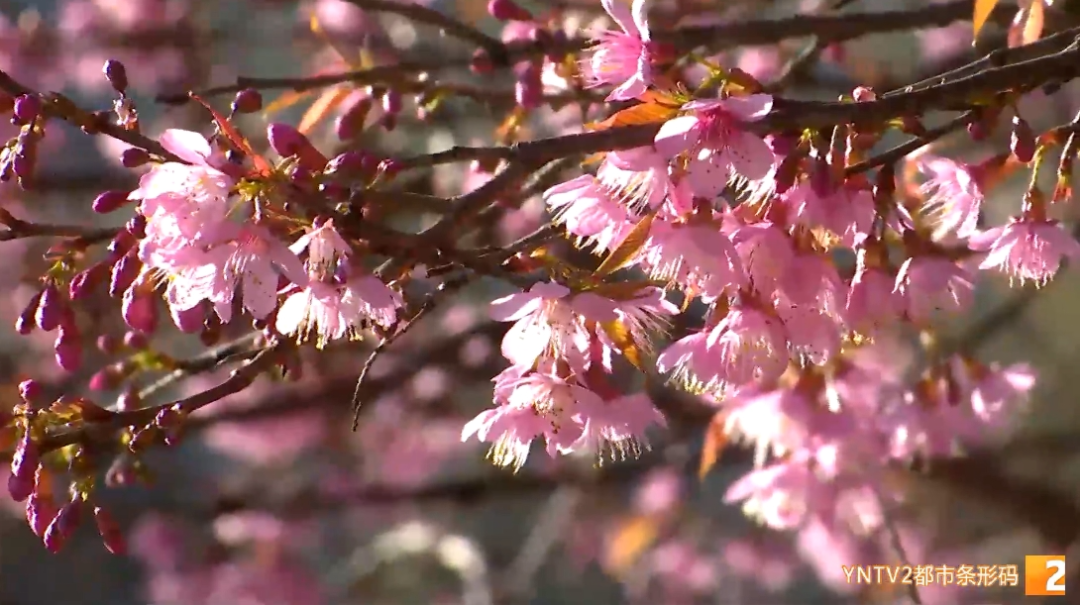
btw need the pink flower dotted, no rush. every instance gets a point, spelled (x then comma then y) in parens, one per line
(534, 405)
(616, 427)
(1029, 250)
(622, 58)
(845, 211)
(926, 284)
(588, 212)
(255, 260)
(871, 302)
(954, 196)
(644, 315)
(325, 247)
(318, 311)
(784, 495)
(639, 179)
(767, 252)
(718, 147)
(747, 346)
(697, 256)
(549, 320)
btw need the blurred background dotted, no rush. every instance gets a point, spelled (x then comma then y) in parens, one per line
(272, 500)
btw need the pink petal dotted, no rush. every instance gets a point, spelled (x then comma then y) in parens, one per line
(189, 146)
(515, 306)
(750, 108)
(628, 90)
(749, 155)
(677, 135)
(640, 13)
(594, 307)
(623, 16)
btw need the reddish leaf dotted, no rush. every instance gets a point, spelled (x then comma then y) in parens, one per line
(983, 8)
(628, 249)
(631, 539)
(262, 167)
(644, 113)
(715, 442)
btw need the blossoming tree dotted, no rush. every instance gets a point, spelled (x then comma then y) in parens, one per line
(715, 256)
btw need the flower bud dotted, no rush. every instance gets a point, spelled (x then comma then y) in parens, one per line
(133, 157)
(392, 102)
(63, 525)
(350, 164)
(508, 10)
(116, 74)
(862, 94)
(136, 226)
(109, 201)
(84, 282)
(108, 344)
(26, 109)
(109, 531)
(248, 100)
(50, 309)
(1022, 141)
(40, 511)
(124, 273)
(481, 63)
(285, 140)
(27, 320)
(24, 464)
(140, 311)
(529, 89)
(105, 379)
(31, 392)
(121, 244)
(350, 123)
(68, 348)
(128, 400)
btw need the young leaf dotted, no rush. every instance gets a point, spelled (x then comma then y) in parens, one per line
(983, 8)
(262, 167)
(643, 113)
(628, 249)
(631, 540)
(715, 442)
(622, 339)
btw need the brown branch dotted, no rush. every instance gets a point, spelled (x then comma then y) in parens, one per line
(419, 13)
(826, 29)
(95, 432)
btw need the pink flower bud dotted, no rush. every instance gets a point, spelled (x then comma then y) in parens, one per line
(285, 140)
(508, 10)
(481, 63)
(133, 157)
(529, 89)
(350, 123)
(109, 201)
(108, 344)
(1022, 141)
(31, 392)
(40, 511)
(124, 273)
(248, 100)
(109, 530)
(121, 244)
(50, 309)
(27, 321)
(24, 464)
(116, 74)
(189, 321)
(84, 282)
(27, 108)
(862, 94)
(137, 226)
(136, 341)
(105, 379)
(63, 525)
(139, 310)
(128, 400)
(392, 102)
(68, 349)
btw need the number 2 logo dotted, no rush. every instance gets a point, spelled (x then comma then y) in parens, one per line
(1056, 581)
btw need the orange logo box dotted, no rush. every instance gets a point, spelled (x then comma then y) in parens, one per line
(1044, 575)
